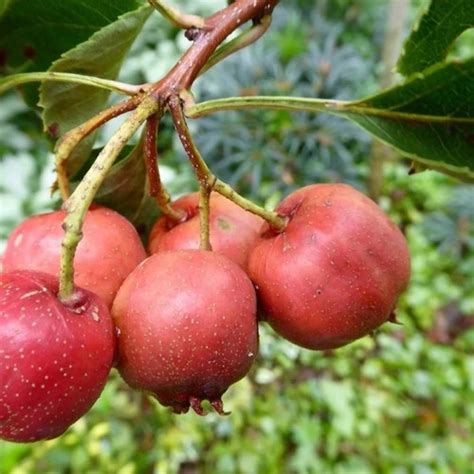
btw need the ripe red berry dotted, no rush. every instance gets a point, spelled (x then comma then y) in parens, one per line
(54, 358)
(109, 250)
(335, 273)
(233, 231)
(187, 327)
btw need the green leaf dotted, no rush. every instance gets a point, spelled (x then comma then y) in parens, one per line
(435, 33)
(67, 105)
(3, 5)
(429, 118)
(35, 33)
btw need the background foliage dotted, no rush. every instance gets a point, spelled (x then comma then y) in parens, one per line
(397, 402)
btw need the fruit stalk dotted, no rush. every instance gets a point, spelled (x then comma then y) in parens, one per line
(77, 204)
(157, 190)
(204, 195)
(70, 140)
(206, 177)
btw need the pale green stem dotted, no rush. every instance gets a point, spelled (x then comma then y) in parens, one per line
(24, 78)
(241, 41)
(276, 221)
(177, 18)
(302, 104)
(296, 104)
(78, 203)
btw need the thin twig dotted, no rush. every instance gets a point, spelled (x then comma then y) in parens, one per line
(157, 190)
(207, 179)
(71, 140)
(242, 41)
(177, 18)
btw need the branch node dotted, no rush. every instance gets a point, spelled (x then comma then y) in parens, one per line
(192, 34)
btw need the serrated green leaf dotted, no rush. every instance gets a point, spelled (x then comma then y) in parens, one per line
(66, 105)
(35, 33)
(430, 41)
(430, 118)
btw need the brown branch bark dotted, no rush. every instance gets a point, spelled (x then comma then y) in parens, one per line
(216, 29)
(206, 40)
(152, 102)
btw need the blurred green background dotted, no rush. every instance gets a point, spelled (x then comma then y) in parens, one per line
(398, 402)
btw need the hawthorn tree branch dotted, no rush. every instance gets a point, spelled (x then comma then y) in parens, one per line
(206, 40)
(154, 99)
(214, 31)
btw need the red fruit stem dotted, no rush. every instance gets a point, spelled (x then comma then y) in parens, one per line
(207, 179)
(157, 190)
(153, 100)
(71, 139)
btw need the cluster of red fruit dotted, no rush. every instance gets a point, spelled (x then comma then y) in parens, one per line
(183, 322)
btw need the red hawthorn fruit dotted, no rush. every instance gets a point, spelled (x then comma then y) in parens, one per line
(335, 273)
(109, 250)
(233, 231)
(54, 358)
(187, 328)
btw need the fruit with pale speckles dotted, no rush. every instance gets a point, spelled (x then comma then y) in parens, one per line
(335, 273)
(187, 327)
(54, 358)
(109, 250)
(233, 231)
